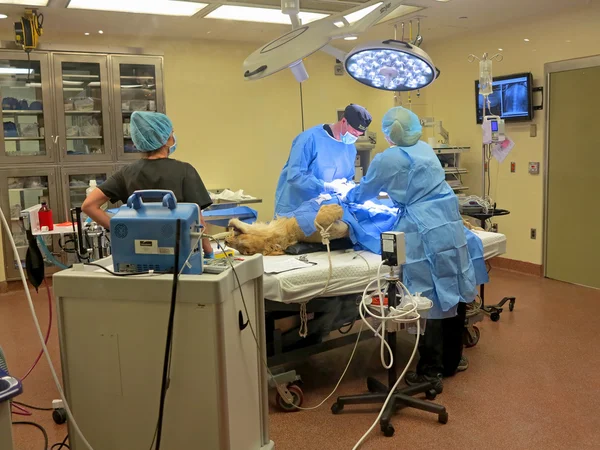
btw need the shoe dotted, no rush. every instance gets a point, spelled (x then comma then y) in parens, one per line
(413, 378)
(463, 364)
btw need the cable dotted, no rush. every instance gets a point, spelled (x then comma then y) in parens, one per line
(392, 391)
(61, 445)
(39, 331)
(21, 412)
(39, 427)
(37, 408)
(166, 364)
(125, 274)
(47, 333)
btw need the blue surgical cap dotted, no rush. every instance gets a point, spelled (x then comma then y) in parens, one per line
(402, 127)
(150, 131)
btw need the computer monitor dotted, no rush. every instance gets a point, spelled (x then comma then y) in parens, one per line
(512, 98)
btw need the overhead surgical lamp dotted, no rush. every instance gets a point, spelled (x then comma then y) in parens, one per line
(389, 65)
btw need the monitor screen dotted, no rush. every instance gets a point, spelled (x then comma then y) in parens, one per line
(494, 125)
(511, 98)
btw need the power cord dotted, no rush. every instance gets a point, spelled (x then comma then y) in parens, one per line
(11, 239)
(39, 427)
(61, 445)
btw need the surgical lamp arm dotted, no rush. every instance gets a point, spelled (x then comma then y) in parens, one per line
(338, 54)
(368, 21)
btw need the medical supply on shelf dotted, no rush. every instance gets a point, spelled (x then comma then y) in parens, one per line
(143, 235)
(45, 218)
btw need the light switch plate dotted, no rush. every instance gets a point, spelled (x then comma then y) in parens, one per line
(533, 130)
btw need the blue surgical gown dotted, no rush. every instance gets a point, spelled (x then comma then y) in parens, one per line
(439, 263)
(315, 158)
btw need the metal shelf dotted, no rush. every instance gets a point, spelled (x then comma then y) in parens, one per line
(23, 112)
(460, 188)
(74, 138)
(454, 170)
(450, 150)
(32, 138)
(28, 189)
(128, 113)
(83, 112)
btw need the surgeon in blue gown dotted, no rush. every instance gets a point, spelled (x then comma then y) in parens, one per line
(319, 156)
(441, 264)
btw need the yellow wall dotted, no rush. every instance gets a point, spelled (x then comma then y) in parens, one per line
(451, 99)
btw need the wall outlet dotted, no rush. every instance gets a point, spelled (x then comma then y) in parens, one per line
(338, 70)
(533, 233)
(534, 168)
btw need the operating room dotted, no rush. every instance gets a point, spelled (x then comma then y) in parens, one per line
(360, 261)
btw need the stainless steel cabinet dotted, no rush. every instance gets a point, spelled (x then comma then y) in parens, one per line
(137, 86)
(76, 180)
(83, 107)
(22, 188)
(27, 116)
(66, 120)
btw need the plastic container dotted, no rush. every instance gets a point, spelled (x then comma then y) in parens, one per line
(45, 217)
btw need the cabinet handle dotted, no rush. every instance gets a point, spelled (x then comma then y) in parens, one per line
(55, 139)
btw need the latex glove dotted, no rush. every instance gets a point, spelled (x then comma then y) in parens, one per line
(210, 255)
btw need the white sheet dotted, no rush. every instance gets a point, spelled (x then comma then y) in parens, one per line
(352, 271)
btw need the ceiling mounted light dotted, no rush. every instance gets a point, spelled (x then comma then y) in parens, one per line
(526, 40)
(3, 16)
(25, 2)
(351, 38)
(263, 15)
(156, 7)
(100, 32)
(289, 50)
(391, 65)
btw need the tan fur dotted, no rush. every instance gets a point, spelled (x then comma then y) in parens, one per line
(275, 237)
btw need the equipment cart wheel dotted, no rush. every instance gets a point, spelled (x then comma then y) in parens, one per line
(59, 415)
(298, 399)
(472, 338)
(336, 408)
(443, 418)
(431, 394)
(511, 305)
(495, 316)
(387, 430)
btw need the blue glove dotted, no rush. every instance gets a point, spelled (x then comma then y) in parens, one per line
(210, 255)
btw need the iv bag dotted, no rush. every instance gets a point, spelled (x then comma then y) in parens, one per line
(485, 77)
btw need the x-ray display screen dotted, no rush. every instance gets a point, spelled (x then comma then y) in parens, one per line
(511, 98)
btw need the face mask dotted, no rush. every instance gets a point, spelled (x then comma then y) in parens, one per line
(173, 147)
(348, 138)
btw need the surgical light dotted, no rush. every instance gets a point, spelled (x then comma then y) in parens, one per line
(157, 7)
(391, 65)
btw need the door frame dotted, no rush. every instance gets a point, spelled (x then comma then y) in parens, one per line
(549, 69)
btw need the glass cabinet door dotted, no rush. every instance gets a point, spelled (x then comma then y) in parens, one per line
(82, 104)
(27, 188)
(138, 86)
(76, 181)
(26, 118)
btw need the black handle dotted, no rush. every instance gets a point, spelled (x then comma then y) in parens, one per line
(438, 72)
(539, 89)
(255, 72)
(394, 41)
(241, 321)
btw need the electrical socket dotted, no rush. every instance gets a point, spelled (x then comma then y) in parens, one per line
(533, 233)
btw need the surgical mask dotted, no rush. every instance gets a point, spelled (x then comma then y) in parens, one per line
(173, 147)
(348, 138)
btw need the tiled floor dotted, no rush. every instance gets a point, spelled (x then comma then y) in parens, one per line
(533, 383)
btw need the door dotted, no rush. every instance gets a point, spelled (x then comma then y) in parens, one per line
(572, 243)
(83, 107)
(28, 128)
(137, 86)
(21, 189)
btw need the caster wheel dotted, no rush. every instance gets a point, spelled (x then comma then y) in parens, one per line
(495, 316)
(471, 339)
(59, 416)
(298, 399)
(387, 430)
(511, 305)
(371, 386)
(443, 418)
(431, 394)
(336, 408)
